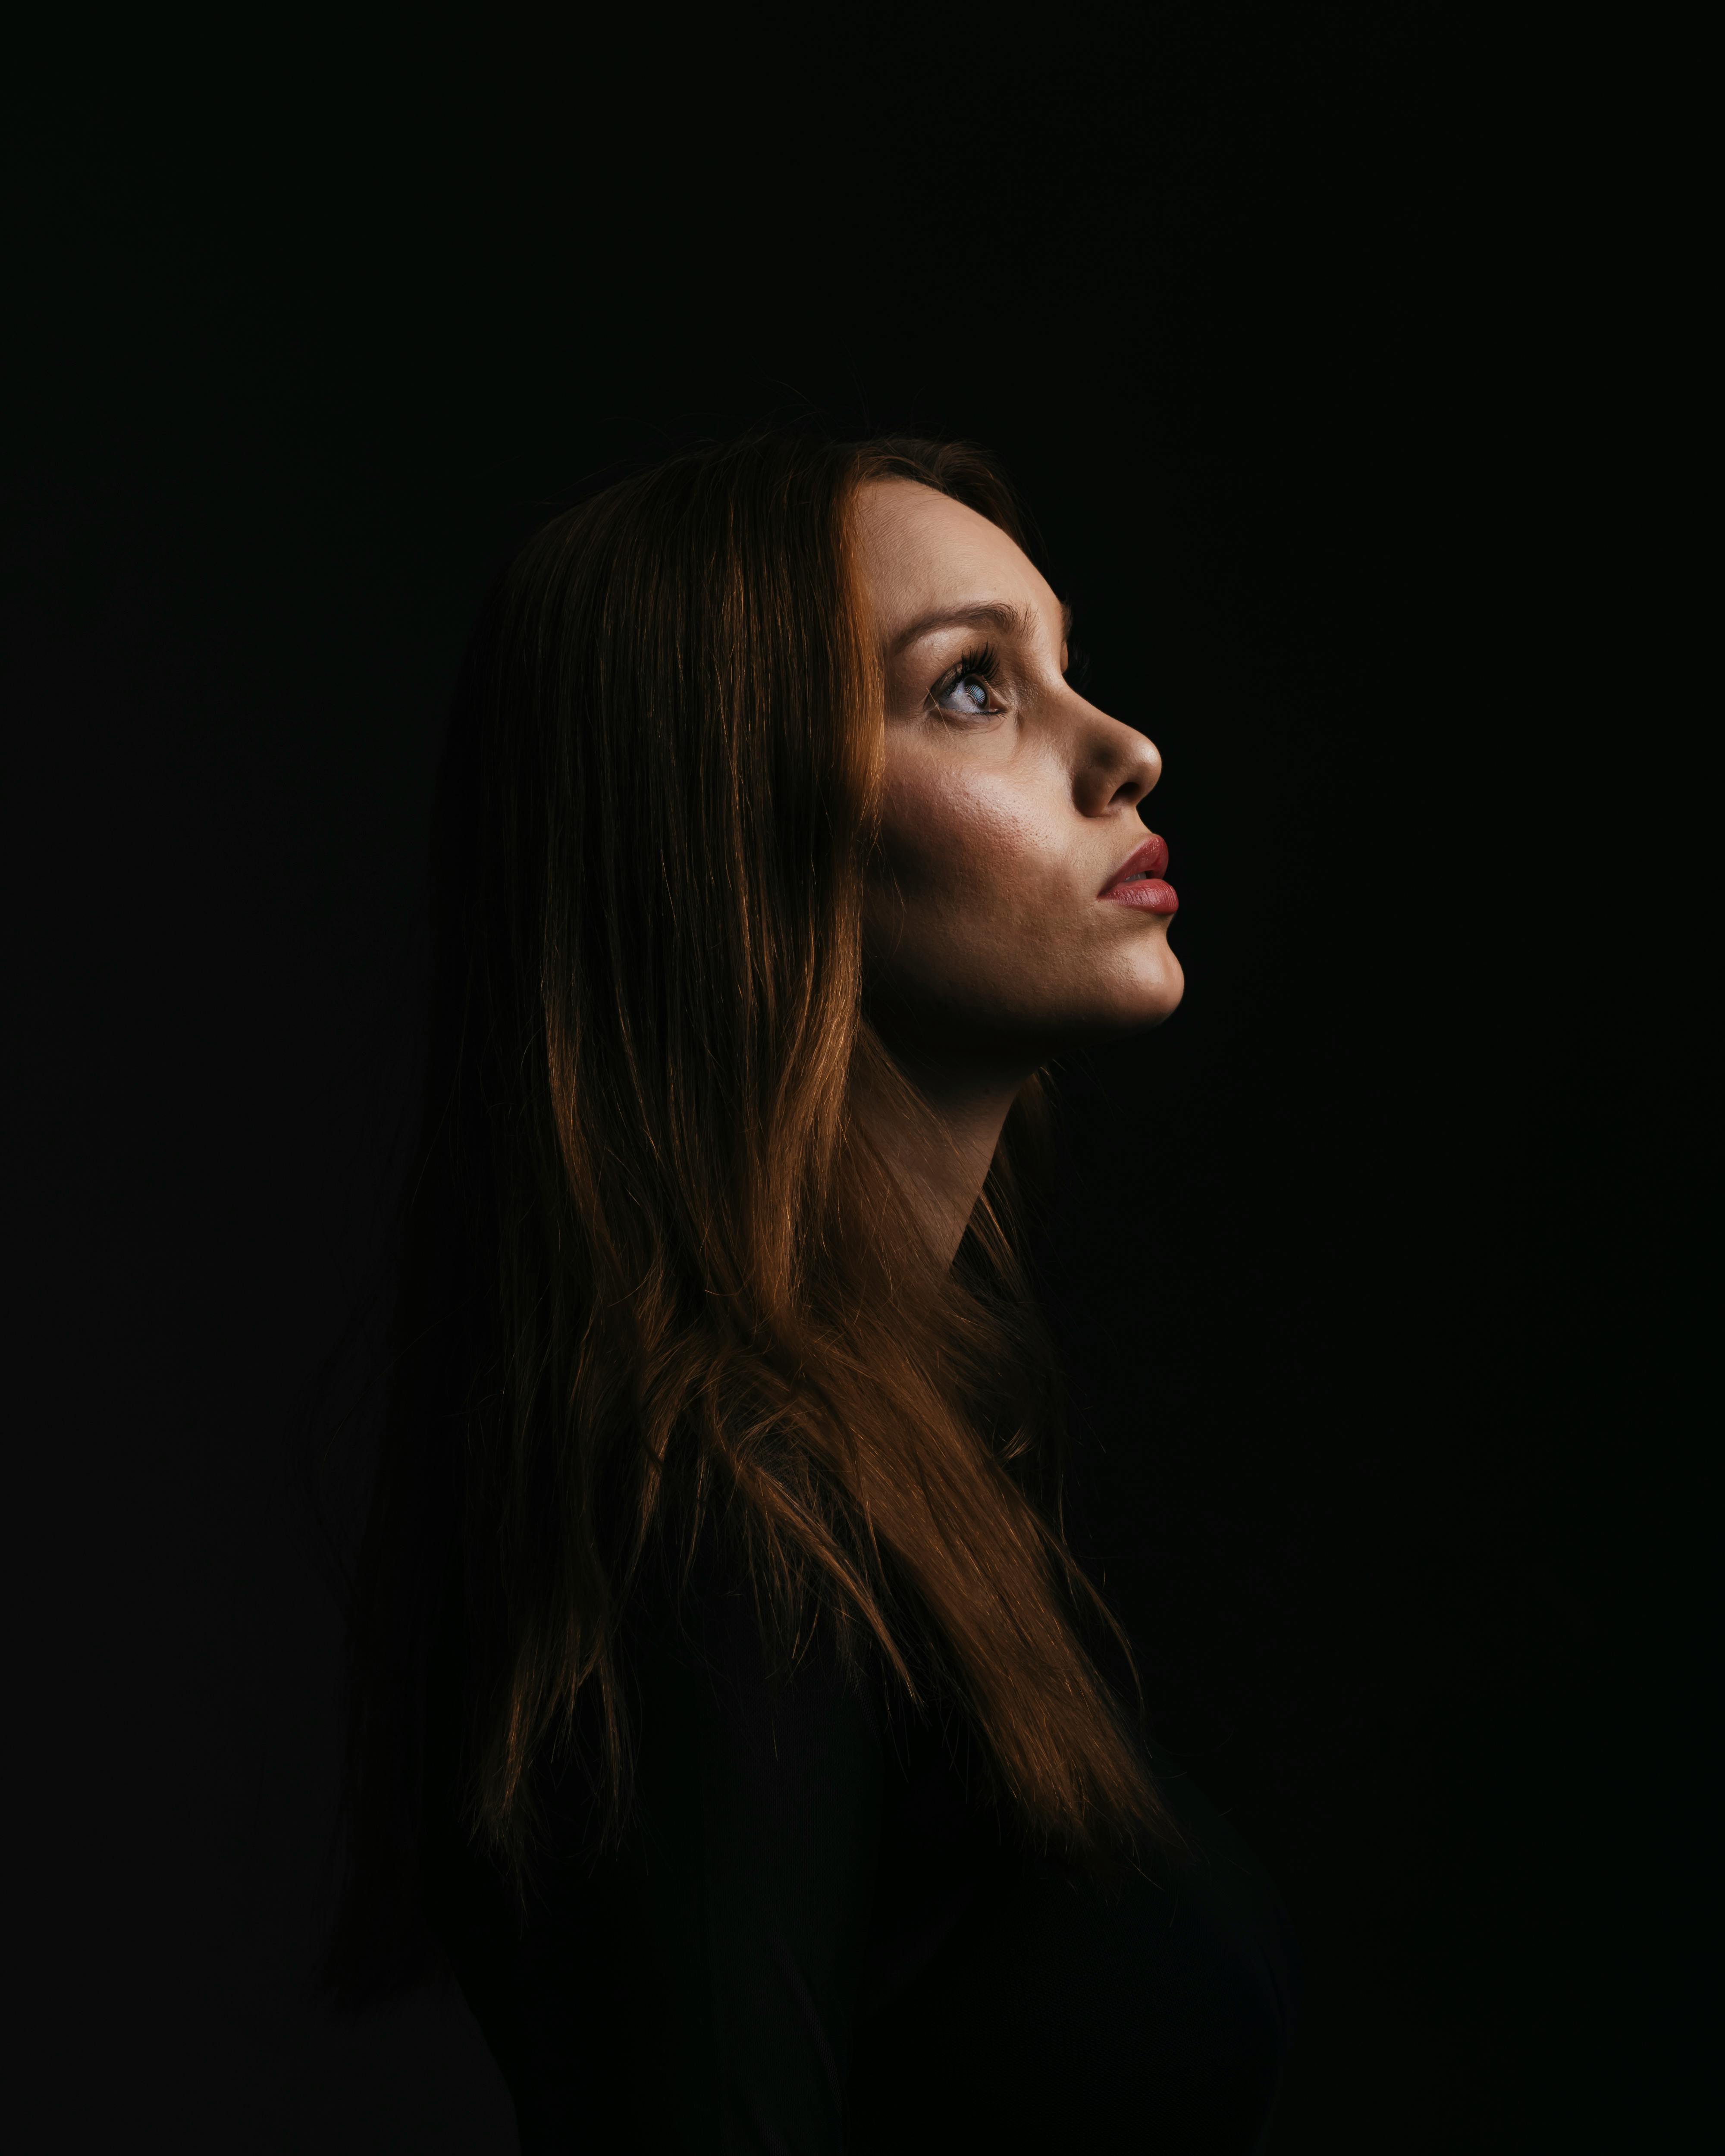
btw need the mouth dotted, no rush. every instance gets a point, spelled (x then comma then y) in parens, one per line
(1138, 880)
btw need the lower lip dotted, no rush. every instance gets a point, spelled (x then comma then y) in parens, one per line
(1149, 893)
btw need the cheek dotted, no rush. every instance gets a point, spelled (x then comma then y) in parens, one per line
(981, 913)
(953, 846)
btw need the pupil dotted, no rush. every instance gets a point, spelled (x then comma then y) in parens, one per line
(978, 694)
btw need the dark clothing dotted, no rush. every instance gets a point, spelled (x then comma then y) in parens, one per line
(817, 1938)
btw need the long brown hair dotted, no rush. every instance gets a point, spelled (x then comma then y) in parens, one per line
(658, 1284)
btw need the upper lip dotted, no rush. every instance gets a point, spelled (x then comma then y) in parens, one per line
(1148, 858)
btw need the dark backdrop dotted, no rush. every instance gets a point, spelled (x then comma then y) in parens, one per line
(1301, 329)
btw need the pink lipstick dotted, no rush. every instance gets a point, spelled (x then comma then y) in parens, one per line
(1138, 880)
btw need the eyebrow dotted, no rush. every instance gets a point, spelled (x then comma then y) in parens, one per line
(981, 613)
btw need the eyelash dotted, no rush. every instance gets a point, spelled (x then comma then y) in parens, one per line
(983, 663)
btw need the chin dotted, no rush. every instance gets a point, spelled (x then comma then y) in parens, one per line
(1137, 1006)
(1158, 987)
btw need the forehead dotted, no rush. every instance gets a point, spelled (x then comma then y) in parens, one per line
(920, 550)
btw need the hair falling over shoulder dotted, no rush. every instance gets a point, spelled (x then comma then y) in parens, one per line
(655, 1283)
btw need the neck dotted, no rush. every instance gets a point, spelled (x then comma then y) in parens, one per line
(940, 1152)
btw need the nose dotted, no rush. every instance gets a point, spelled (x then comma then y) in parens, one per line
(1115, 766)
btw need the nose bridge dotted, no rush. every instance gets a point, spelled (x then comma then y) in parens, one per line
(1111, 760)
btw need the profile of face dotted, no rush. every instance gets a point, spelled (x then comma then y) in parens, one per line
(1016, 905)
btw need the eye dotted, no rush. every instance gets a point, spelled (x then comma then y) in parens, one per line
(965, 688)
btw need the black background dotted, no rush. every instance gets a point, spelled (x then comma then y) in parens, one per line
(1327, 344)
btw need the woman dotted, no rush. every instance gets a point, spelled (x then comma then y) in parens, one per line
(726, 1702)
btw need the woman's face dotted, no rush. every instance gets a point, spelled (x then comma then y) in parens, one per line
(1010, 813)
